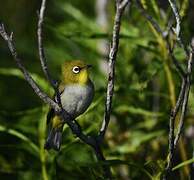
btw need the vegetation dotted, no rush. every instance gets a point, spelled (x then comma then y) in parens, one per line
(147, 85)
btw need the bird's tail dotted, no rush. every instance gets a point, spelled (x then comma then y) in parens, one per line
(54, 138)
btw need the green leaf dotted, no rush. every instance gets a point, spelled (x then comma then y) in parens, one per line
(137, 111)
(17, 73)
(116, 162)
(136, 138)
(20, 136)
(80, 17)
(184, 163)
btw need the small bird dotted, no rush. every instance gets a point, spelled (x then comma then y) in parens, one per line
(76, 92)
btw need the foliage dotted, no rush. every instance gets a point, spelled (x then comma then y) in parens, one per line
(136, 143)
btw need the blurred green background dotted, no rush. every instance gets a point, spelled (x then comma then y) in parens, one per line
(146, 88)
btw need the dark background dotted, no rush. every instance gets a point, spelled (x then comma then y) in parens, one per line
(144, 93)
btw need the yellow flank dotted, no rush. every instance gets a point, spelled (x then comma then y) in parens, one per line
(83, 77)
(56, 122)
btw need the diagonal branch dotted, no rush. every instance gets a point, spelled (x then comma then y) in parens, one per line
(163, 35)
(177, 16)
(29, 79)
(182, 101)
(149, 18)
(120, 7)
(186, 80)
(74, 126)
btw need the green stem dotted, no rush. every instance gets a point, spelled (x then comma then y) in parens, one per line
(42, 131)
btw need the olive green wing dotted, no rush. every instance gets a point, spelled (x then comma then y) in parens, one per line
(50, 115)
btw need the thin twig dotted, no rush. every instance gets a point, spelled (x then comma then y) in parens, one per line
(74, 126)
(40, 44)
(186, 83)
(185, 87)
(163, 35)
(177, 16)
(186, 95)
(42, 56)
(149, 18)
(183, 99)
(120, 6)
(177, 29)
(29, 79)
(171, 126)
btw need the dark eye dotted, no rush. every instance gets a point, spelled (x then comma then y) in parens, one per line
(76, 69)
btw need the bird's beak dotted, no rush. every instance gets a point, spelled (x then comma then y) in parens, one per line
(88, 66)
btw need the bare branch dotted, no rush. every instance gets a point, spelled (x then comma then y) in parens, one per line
(120, 6)
(42, 56)
(171, 125)
(177, 16)
(74, 126)
(164, 36)
(183, 99)
(40, 44)
(186, 95)
(29, 79)
(177, 29)
(149, 18)
(185, 75)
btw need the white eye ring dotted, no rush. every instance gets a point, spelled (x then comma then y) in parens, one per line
(76, 69)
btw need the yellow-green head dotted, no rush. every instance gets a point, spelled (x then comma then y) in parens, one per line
(75, 72)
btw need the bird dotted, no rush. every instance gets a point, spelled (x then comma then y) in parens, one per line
(76, 92)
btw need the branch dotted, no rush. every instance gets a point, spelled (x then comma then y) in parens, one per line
(120, 6)
(40, 44)
(186, 80)
(29, 79)
(173, 141)
(149, 18)
(163, 35)
(74, 126)
(173, 115)
(57, 106)
(183, 99)
(177, 29)
(186, 94)
(42, 56)
(177, 16)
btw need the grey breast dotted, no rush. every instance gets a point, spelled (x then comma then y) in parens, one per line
(76, 98)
